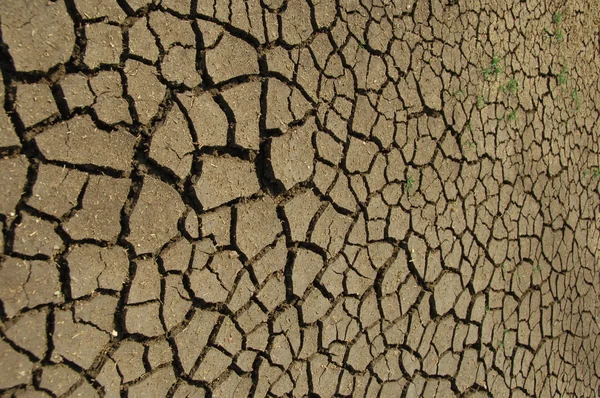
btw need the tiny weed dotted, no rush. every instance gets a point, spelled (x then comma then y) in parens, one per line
(538, 268)
(468, 126)
(458, 93)
(470, 144)
(557, 17)
(480, 102)
(563, 76)
(596, 172)
(511, 87)
(512, 115)
(410, 182)
(576, 97)
(493, 70)
(559, 35)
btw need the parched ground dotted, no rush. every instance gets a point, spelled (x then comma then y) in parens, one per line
(230, 198)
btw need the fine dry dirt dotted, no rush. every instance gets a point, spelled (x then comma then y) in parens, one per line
(378, 198)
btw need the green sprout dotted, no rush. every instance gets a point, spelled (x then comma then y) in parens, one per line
(538, 268)
(512, 115)
(576, 97)
(493, 70)
(563, 76)
(409, 185)
(511, 87)
(480, 102)
(557, 17)
(596, 172)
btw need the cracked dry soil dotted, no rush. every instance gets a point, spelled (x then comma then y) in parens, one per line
(320, 198)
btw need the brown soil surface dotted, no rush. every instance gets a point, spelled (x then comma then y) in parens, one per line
(320, 198)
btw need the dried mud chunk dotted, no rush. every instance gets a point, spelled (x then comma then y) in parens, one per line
(15, 368)
(76, 342)
(323, 371)
(330, 231)
(155, 386)
(272, 261)
(176, 302)
(233, 386)
(141, 41)
(208, 119)
(144, 319)
(129, 360)
(13, 176)
(35, 103)
(257, 225)
(35, 236)
(272, 293)
(99, 9)
(213, 365)
(28, 284)
(179, 66)
(299, 212)
(171, 29)
(292, 155)
(172, 144)
(78, 141)
(159, 353)
(193, 338)
(76, 91)
(431, 88)
(224, 179)
(279, 115)
(104, 44)
(176, 257)
(446, 291)
(365, 116)
(58, 378)
(110, 106)
(145, 89)
(295, 22)
(56, 189)
(99, 311)
(147, 235)
(92, 267)
(38, 34)
(232, 57)
(229, 338)
(360, 155)
(305, 268)
(100, 215)
(315, 306)
(217, 226)
(146, 282)
(28, 332)
(109, 378)
(244, 100)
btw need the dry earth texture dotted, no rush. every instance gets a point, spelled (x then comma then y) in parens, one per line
(299, 198)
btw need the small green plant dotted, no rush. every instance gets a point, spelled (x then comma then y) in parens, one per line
(512, 115)
(559, 35)
(596, 172)
(538, 268)
(563, 76)
(557, 17)
(410, 182)
(576, 97)
(480, 102)
(458, 93)
(511, 87)
(493, 70)
(470, 144)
